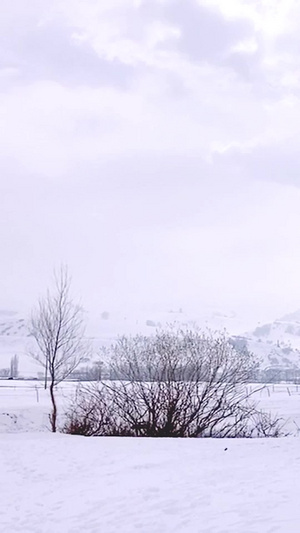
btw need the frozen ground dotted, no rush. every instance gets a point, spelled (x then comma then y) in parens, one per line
(59, 483)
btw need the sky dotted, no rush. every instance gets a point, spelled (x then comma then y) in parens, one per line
(153, 146)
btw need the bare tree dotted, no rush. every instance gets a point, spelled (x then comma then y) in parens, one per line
(58, 329)
(14, 366)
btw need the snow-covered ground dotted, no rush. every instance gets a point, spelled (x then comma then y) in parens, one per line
(74, 484)
(25, 405)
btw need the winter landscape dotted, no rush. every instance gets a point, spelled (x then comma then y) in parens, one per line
(75, 483)
(149, 272)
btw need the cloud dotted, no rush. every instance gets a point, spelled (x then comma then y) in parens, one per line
(205, 34)
(47, 49)
(265, 163)
(50, 53)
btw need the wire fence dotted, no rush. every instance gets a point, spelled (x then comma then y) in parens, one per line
(33, 390)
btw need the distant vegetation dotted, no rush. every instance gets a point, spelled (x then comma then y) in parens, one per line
(12, 371)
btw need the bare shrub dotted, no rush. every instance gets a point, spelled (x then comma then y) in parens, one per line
(93, 413)
(176, 383)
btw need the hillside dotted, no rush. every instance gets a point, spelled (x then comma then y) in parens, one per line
(277, 344)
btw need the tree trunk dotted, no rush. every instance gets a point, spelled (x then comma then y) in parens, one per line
(53, 416)
(46, 373)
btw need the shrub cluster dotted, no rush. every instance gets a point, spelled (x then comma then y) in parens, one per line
(176, 383)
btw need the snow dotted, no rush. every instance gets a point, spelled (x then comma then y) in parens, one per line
(15, 339)
(73, 484)
(25, 405)
(275, 344)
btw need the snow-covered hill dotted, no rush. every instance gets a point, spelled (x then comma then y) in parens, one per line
(14, 340)
(277, 344)
(104, 328)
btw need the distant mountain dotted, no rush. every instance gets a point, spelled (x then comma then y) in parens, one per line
(105, 328)
(277, 343)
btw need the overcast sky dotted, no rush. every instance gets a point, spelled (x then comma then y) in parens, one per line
(154, 147)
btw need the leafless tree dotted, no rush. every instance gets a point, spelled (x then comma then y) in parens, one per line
(176, 383)
(58, 329)
(14, 366)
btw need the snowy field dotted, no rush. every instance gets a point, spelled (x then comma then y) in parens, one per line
(61, 483)
(25, 405)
